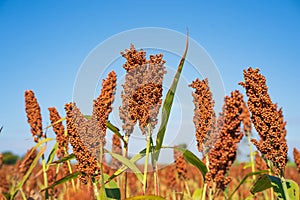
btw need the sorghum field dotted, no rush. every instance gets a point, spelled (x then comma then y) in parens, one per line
(77, 167)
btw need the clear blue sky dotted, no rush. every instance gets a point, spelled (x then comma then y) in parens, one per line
(43, 43)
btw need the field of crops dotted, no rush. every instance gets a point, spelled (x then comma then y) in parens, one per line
(78, 168)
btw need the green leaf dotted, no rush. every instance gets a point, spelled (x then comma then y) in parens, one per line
(130, 164)
(113, 193)
(52, 154)
(135, 158)
(114, 129)
(293, 189)
(248, 165)
(25, 177)
(194, 160)
(267, 181)
(167, 105)
(67, 158)
(245, 178)
(63, 180)
(58, 121)
(111, 188)
(148, 197)
(197, 193)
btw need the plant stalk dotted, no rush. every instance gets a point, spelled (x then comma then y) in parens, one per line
(251, 154)
(96, 192)
(147, 158)
(285, 190)
(70, 169)
(45, 176)
(270, 173)
(125, 154)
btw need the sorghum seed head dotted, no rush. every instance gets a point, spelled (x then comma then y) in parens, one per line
(142, 91)
(223, 153)
(34, 117)
(180, 163)
(267, 119)
(87, 163)
(59, 129)
(204, 115)
(297, 158)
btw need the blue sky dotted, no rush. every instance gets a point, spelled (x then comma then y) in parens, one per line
(43, 44)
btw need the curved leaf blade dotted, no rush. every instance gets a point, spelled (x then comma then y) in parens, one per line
(194, 160)
(130, 164)
(114, 129)
(167, 105)
(244, 179)
(52, 153)
(293, 189)
(63, 180)
(33, 164)
(134, 159)
(67, 158)
(267, 181)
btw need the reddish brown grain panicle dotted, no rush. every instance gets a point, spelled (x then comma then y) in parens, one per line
(59, 130)
(144, 104)
(87, 163)
(103, 104)
(180, 163)
(135, 67)
(246, 120)
(34, 117)
(204, 115)
(170, 176)
(28, 159)
(117, 149)
(267, 119)
(223, 154)
(142, 91)
(260, 164)
(4, 183)
(297, 158)
(51, 177)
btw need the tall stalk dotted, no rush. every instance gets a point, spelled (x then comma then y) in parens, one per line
(125, 154)
(270, 173)
(251, 154)
(147, 157)
(284, 185)
(45, 176)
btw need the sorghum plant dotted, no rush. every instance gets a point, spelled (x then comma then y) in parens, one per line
(34, 117)
(267, 119)
(223, 154)
(204, 114)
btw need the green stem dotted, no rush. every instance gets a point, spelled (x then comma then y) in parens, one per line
(156, 181)
(45, 176)
(125, 154)
(103, 193)
(285, 190)
(187, 188)
(96, 192)
(70, 169)
(173, 194)
(251, 154)
(147, 158)
(270, 173)
(154, 168)
(205, 185)
(22, 194)
(204, 191)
